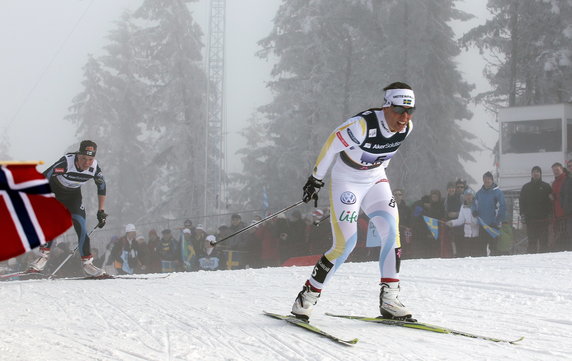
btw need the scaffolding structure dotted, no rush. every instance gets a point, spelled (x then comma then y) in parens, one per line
(215, 164)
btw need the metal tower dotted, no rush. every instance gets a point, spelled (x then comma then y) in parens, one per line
(215, 165)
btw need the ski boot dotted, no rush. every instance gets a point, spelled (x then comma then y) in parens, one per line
(389, 304)
(305, 301)
(38, 265)
(90, 269)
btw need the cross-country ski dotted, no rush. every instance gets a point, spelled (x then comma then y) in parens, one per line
(312, 328)
(423, 326)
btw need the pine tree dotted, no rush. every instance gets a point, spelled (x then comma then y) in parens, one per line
(320, 49)
(171, 43)
(529, 47)
(110, 111)
(92, 112)
(143, 102)
(127, 149)
(420, 51)
(333, 59)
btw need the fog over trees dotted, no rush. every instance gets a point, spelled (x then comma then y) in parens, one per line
(334, 58)
(529, 47)
(144, 100)
(145, 103)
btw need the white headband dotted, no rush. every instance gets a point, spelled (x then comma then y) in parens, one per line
(402, 97)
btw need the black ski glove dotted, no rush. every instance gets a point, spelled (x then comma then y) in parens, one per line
(311, 189)
(101, 218)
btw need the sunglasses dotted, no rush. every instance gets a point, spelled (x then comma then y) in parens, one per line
(400, 110)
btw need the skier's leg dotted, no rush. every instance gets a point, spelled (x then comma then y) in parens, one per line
(345, 199)
(84, 244)
(380, 206)
(80, 225)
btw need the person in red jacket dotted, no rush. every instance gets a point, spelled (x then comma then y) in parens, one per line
(558, 213)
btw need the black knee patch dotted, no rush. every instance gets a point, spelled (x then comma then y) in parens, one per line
(321, 269)
(397, 259)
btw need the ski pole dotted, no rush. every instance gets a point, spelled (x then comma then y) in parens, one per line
(69, 255)
(258, 222)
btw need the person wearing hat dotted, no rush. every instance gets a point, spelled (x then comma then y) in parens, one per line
(535, 209)
(209, 258)
(66, 177)
(125, 253)
(199, 235)
(360, 149)
(470, 244)
(490, 208)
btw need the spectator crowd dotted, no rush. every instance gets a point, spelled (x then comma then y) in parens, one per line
(469, 224)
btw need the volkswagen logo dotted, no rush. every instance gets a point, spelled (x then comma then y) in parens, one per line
(348, 198)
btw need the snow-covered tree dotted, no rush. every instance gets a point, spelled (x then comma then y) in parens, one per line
(171, 44)
(319, 47)
(143, 102)
(333, 59)
(110, 111)
(529, 47)
(420, 50)
(92, 110)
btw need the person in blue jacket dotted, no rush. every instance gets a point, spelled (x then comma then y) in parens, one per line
(490, 208)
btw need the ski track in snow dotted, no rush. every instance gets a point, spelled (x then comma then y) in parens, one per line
(218, 315)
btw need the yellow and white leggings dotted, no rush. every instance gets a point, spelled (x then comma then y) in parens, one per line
(377, 202)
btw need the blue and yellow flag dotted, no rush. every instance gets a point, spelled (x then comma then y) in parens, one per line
(433, 225)
(493, 232)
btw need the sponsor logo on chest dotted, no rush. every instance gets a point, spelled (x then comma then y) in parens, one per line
(386, 145)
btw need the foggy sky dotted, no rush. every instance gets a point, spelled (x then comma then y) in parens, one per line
(45, 45)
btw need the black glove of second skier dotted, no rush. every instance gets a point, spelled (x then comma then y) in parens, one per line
(311, 189)
(101, 218)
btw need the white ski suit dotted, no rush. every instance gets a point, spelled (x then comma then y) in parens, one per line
(361, 148)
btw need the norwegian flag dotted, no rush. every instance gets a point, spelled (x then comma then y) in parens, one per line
(30, 215)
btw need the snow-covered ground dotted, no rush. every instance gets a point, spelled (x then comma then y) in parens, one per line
(218, 315)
